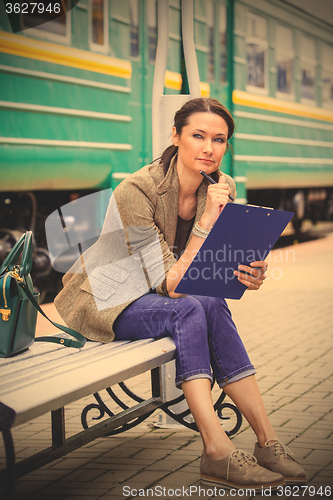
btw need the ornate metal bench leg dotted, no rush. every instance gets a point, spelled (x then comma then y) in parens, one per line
(219, 406)
(104, 409)
(7, 417)
(58, 427)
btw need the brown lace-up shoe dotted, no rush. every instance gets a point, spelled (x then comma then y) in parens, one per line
(277, 458)
(239, 470)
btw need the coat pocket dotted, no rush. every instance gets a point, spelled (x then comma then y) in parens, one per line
(113, 273)
(97, 288)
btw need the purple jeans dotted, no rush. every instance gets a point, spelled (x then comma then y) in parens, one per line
(205, 336)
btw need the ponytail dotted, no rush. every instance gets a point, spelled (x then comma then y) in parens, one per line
(167, 156)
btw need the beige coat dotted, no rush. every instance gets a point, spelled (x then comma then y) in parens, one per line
(145, 200)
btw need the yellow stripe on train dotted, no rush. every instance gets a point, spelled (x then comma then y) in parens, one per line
(174, 81)
(281, 106)
(67, 56)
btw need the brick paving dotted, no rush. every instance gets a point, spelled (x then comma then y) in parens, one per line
(287, 328)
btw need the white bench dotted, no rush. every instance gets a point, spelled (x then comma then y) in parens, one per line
(49, 376)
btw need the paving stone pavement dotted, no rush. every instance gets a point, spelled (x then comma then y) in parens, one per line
(287, 328)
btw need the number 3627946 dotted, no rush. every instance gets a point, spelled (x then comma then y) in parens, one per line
(304, 490)
(32, 8)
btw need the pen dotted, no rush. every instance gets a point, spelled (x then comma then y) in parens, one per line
(212, 181)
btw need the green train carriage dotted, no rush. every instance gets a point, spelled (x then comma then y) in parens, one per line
(283, 143)
(76, 103)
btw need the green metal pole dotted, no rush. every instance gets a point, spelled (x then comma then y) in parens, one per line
(230, 69)
(144, 73)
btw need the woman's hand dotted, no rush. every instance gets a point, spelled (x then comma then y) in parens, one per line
(217, 198)
(250, 276)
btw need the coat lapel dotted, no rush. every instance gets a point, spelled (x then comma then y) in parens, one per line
(168, 190)
(201, 203)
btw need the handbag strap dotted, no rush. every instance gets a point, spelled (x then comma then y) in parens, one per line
(25, 243)
(80, 339)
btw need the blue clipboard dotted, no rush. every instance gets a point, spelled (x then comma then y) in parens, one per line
(242, 234)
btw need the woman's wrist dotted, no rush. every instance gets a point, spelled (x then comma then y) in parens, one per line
(205, 224)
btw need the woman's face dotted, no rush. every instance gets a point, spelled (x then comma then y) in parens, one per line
(202, 143)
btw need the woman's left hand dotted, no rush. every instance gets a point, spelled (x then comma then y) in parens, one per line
(250, 276)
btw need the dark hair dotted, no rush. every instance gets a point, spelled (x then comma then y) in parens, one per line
(199, 105)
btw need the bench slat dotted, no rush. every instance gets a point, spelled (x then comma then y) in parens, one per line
(37, 357)
(57, 359)
(50, 377)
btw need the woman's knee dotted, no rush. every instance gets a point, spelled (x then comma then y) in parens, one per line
(215, 305)
(188, 323)
(189, 308)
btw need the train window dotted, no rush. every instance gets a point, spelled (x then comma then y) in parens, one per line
(256, 48)
(98, 15)
(284, 57)
(210, 25)
(308, 68)
(327, 76)
(58, 29)
(223, 42)
(152, 30)
(222, 33)
(134, 16)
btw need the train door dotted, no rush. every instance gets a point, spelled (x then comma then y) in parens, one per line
(143, 18)
(219, 54)
(141, 81)
(213, 30)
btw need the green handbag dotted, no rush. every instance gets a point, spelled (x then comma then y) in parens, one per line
(19, 304)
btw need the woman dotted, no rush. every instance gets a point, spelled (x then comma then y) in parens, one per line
(169, 202)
